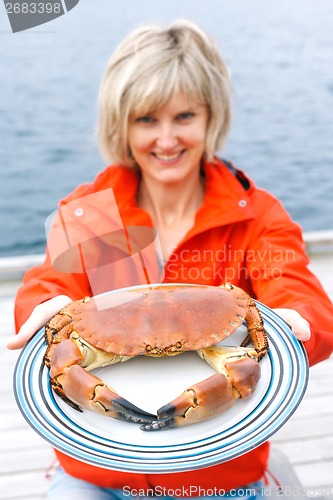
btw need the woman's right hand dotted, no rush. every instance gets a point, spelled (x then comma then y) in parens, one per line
(39, 316)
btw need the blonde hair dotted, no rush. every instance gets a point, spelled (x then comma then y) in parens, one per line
(148, 67)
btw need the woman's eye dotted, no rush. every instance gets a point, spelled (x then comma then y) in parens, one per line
(145, 119)
(185, 116)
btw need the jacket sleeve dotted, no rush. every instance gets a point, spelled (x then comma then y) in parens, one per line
(42, 283)
(60, 273)
(281, 278)
(78, 232)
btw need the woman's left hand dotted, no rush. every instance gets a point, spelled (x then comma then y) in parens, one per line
(299, 326)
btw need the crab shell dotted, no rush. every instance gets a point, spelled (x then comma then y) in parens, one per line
(156, 321)
(159, 320)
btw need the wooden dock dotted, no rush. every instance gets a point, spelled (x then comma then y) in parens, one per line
(306, 440)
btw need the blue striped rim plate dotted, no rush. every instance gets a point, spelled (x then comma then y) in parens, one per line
(151, 382)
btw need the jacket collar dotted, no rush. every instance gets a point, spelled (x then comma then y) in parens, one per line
(226, 201)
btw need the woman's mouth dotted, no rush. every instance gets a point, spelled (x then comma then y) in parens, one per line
(168, 158)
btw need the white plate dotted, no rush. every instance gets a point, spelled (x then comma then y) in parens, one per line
(151, 382)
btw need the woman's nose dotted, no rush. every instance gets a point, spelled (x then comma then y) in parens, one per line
(166, 138)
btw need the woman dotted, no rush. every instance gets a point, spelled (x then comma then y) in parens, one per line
(168, 210)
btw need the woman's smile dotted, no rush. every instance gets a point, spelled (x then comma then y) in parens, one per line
(169, 159)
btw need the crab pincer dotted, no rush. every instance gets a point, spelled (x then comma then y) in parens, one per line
(239, 373)
(81, 389)
(90, 392)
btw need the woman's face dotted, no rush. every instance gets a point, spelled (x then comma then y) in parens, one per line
(168, 143)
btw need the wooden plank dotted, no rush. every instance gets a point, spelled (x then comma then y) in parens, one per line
(310, 405)
(10, 421)
(314, 474)
(35, 458)
(20, 439)
(24, 485)
(322, 387)
(9, 404)
(322, 370)
(317, 426)
(307, 450)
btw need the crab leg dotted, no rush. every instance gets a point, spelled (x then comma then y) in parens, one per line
(80, 388)
(254, 324)
(237, 377)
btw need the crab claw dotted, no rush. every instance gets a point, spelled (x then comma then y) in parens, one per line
(81, 389)
(90, 392)
(200, 401)
(215, 394)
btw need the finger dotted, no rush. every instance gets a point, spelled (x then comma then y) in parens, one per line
(22, 337)
(299, 326)
(301, 329)
(39, 316)
(37, 319)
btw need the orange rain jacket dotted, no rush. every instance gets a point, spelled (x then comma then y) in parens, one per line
(242, 235)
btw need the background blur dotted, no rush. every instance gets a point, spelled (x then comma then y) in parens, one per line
(280, 54)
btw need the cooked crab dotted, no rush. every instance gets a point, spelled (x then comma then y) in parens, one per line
(159, 320)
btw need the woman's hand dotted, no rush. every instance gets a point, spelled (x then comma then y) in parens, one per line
(39, 316)
(299, 326)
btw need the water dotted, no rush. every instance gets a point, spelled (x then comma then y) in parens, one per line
(280, 55)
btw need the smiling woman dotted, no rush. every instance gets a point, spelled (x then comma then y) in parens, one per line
(169, 210)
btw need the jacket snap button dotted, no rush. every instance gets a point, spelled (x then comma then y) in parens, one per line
(242, 203)
(79, 212)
